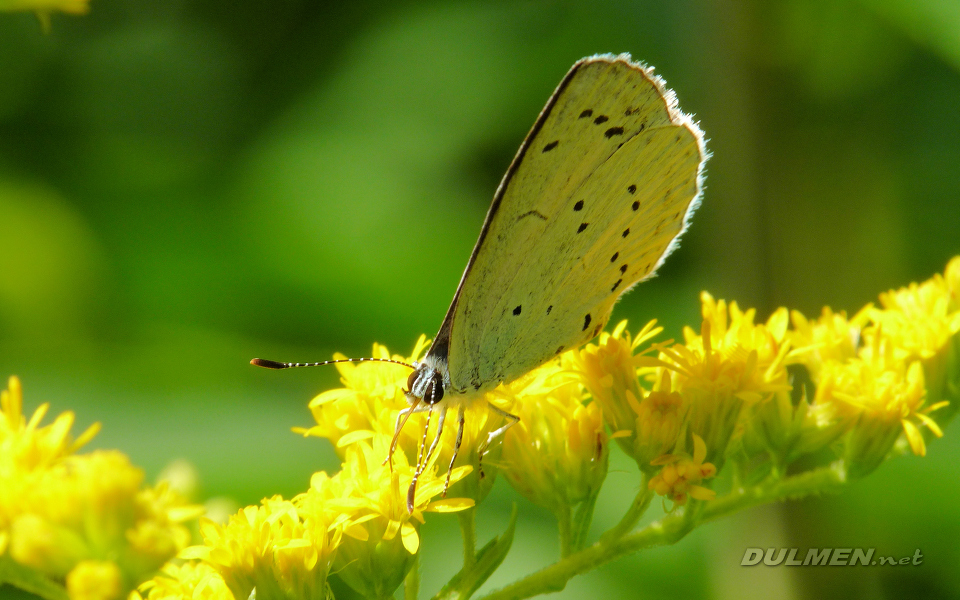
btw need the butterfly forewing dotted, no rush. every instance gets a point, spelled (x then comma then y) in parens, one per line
(591, 204)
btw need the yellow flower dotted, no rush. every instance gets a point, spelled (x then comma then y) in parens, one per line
(921, 321)
(732, 363)
(609, 371)
(370, 501)
(918, 319)
(355, 523)
(556, 455)
(367, 406)
(681, 475)
(270, 549)
(789, 430)
(192, 580)
(71, 516)
(883, 395)
(660, 417)
(27, 447)
(952, 277)
(832, 337)
(95, 580)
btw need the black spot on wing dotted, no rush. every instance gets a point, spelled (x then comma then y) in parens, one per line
(551, 146)
(632, 189)
(582, 227)
(636, 205)
(549, 308)
(601, 119)
(613, 131)
(516, 311)
(586, 322)
(615, 256)
(559, 350)
(578, 205)
(626, 232)
(616, 285)
(623, 268)
(586, 113)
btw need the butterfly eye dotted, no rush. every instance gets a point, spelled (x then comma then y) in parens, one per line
(434, 392)
(411, 380)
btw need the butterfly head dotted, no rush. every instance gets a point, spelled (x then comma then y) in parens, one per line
(429, 382)
(425, 385)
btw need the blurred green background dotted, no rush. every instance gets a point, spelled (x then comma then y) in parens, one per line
(187, 185)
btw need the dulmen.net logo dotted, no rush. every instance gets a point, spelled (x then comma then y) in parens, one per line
(824, 557)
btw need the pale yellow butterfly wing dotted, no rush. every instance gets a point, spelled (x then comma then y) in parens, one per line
(592, 204)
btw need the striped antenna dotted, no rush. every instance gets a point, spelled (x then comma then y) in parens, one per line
(272, 364)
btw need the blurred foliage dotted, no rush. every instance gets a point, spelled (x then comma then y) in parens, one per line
(187, 185)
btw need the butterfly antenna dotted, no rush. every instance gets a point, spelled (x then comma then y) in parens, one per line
(272, 364)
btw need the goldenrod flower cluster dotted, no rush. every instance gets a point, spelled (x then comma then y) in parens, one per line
(355, 523)
(728, 391)
(754, 395)
(83, 521)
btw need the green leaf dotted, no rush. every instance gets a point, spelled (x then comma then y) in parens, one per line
(30, 580)
(465, 583)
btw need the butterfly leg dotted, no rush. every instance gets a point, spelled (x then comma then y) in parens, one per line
(421, 465)
(456, 448)
(512, 420)
(404, 414)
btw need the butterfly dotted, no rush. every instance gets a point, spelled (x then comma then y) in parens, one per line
(593, 203)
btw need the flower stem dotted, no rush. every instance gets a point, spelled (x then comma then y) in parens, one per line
(667, 530)
(632, 516)
(565, 525)
(582, 520)
(468, 531)
(830, 478)
(411, 583)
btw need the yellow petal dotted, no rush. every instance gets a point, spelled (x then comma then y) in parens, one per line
(450, 505)
(190, 552)
(179, 514)
(931, 424)
(699, 449)
(411, 541)
(357, 532)
(391, 531)
(915, 439)
(701, 493)
(354, 436)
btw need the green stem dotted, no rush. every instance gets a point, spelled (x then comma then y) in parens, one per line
(824, 479)
(582, 520)
(565, 525)
(667, 530)
(411, 583)
(468, 531)
(630, 518)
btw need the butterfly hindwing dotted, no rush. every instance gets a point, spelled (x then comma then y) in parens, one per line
(593, 202)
